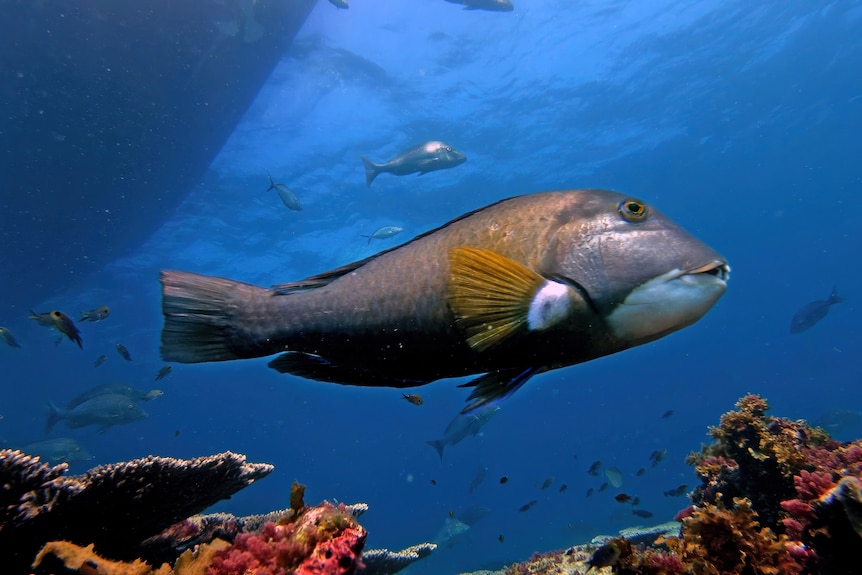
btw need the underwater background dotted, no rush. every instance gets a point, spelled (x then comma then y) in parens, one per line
(741, 122)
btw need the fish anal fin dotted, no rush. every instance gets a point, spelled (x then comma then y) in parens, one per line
(494, 297)
(496, 386)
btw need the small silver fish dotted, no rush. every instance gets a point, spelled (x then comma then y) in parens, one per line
(463, 426)
(97, 314)
(384, 233)
(7, 337)
(100, 360)
(286, 194)
(423, 158)
(339, 4)
(489, 5)
(103, 411)
(44, 319)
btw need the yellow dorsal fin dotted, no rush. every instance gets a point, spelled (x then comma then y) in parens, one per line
(489, 294)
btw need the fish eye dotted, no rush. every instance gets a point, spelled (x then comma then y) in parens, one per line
(632, 210)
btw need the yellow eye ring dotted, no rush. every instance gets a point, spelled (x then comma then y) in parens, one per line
(633, 210)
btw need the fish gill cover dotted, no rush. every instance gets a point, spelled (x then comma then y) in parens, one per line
(740, 123)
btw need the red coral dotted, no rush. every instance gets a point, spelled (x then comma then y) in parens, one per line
(812, 485)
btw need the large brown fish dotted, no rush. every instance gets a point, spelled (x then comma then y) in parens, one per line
(526, 285)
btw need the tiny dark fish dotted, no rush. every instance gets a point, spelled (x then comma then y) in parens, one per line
(500, 538)
(667, 414)
(8, 338)
(643, 513)
(656, 456)
(288, 198)
(423, 158)
(121, 349)
(451, 513)
(636, 501)
(164, 372)
(504, 479)
(384, 233)
(594, 468)
(433, 482)
(605, 556)
(97, 314)
(488, 5)
(177, 433)
(811, 313)
(413, 398)
(527, 506)
(640, 471)
(603, 486)
(563, 488)
(547, 483)
(622, 498)
(100, 360)
(676, 491)
(589, 492)
(67, 327)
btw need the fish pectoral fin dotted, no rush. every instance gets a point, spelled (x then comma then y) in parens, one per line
(493, 297)
(318, 368)
(496, 386)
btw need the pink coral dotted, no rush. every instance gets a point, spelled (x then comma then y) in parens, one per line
(339, 556)
(323, 540)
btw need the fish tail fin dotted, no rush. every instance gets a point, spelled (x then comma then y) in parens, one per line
(834, 297)
(438, 445)
(371, 170)
(271, 182)
(55, 414)
(364, 236)
(202, 317)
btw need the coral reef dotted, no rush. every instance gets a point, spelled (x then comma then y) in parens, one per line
(115, 506)
(325, 540)
(776, 497)
(320, 540)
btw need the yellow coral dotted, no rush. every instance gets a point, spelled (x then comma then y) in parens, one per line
(76, 557)
(196, 563)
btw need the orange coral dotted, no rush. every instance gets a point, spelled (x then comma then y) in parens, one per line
(715, 540)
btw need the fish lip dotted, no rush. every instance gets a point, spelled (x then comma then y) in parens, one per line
(717, 268)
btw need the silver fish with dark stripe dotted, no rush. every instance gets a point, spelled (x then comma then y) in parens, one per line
(526, 285)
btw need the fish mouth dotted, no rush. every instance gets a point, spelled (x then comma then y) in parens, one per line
(716, 268)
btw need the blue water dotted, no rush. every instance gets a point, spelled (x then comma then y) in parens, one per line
(739, 121)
